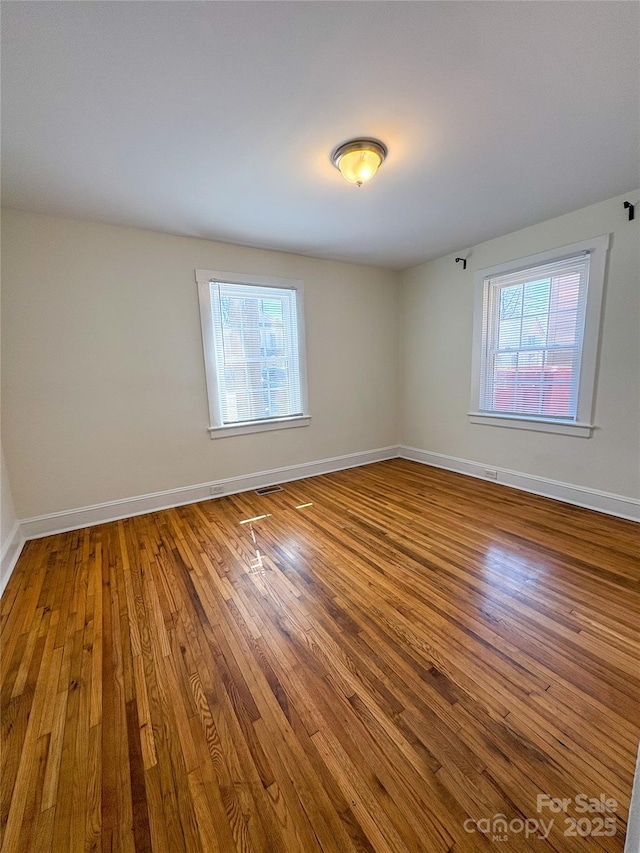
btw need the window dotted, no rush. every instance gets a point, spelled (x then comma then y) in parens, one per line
(536, 339)
(252, 332)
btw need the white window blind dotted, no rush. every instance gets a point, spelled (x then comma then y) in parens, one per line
(257, 358)
(532, 337)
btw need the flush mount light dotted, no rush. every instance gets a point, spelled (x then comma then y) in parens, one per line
(358, 160)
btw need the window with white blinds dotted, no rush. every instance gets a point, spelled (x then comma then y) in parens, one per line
(252, 336)
(536, 339)
(533, 336)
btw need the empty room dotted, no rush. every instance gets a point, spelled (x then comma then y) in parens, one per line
(320, 362)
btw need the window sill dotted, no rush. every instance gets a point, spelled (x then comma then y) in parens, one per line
(259, 426)
(578, 430)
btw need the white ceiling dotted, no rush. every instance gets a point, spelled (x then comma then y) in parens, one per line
(217, 119)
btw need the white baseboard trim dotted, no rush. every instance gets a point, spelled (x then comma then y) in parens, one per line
(617, 505)
(73, 519)
(59, 522)
(10, 553)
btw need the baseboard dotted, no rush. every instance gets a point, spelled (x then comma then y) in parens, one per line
(10, 554)
(58, 522)
(611, 504)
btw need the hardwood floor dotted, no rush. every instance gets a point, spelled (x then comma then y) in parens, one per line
(383, 659)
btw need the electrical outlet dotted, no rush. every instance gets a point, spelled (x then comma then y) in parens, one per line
(490, 474)
(215, 490)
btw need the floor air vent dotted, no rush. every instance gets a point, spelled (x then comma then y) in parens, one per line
(269, 490)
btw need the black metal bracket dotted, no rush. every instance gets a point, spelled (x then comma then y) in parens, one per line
(464, 261)
(631, 208)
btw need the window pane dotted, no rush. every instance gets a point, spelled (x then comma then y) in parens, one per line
(527, 399)
(504, 397)
(565, 293)
(510, 302)
(271, 342)
(556, 400)
(563, 328)
(560, 358)
(534, 330)
(530, 366)
(233, 343)
(536, 297)
(506, 359)
(256, 343)
(272, 311)
(532, 339)
(509, 334)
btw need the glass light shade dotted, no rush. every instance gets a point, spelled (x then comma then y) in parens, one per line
(358, 160)
(359, 166)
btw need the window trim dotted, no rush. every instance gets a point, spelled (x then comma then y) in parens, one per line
(582, 426)
(216, 428)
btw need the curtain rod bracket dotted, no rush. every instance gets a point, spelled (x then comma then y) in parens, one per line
(631, 208)
(464, 262)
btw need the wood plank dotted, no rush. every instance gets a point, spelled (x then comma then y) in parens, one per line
(388, 653)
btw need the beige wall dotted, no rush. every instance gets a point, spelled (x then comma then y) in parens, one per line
(7, 511)
(436, 316)
(103, 375)
(8, 542)
(103, 378)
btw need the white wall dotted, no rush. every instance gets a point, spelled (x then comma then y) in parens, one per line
(436, 321)
(103, 377)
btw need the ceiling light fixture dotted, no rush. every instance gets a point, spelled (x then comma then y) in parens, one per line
(358, 160)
